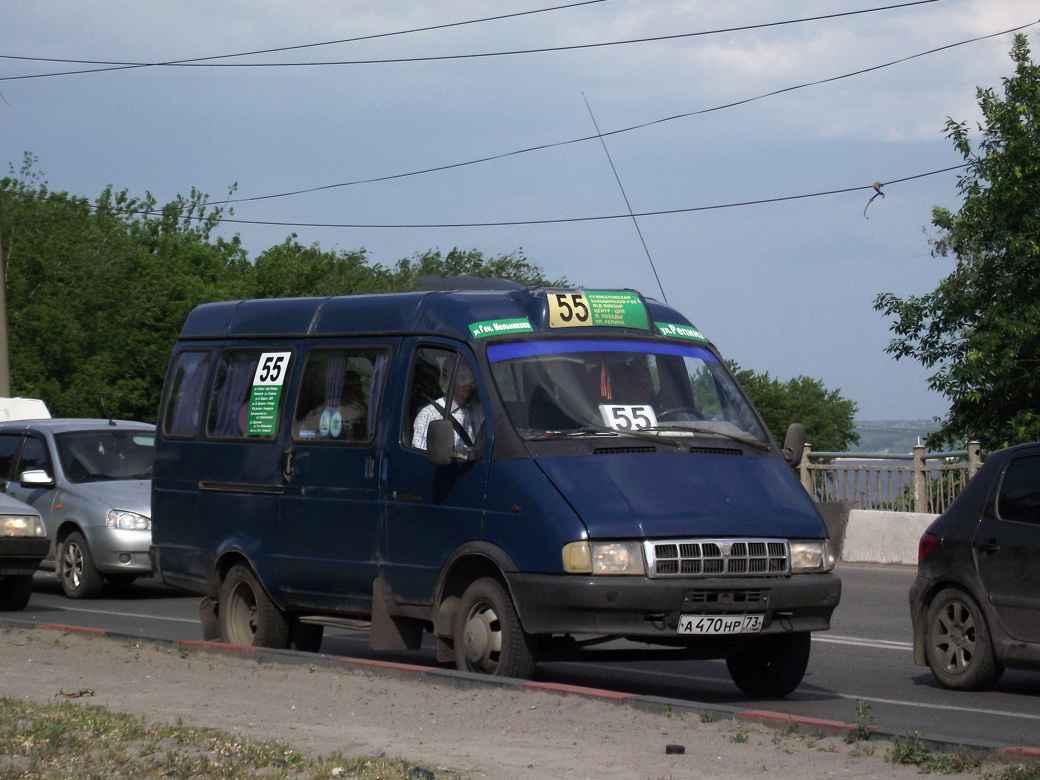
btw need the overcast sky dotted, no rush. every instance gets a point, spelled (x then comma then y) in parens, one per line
(785, 287)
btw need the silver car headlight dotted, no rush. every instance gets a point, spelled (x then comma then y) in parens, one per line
(604, 558)
(128, 521)
(811, 556)
(21, 525)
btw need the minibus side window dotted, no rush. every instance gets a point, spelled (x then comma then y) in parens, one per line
(339, 395)
(184, 404)
(233, 411)
(432, 370)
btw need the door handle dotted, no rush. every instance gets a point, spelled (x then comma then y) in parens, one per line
(288, 463)
(988, 547)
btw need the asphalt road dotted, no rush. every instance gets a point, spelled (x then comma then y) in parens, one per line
(866, 657)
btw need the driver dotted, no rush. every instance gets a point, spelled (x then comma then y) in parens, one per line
(465, 407)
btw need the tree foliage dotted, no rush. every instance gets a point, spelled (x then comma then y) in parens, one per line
(97, 292)
(829, 418)
(981, 326)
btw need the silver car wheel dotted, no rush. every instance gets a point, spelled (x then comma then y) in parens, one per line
(79, 578)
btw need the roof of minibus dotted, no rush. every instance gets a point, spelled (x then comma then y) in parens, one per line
(450, 313)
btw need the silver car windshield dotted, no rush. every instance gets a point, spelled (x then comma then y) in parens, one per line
(597, 386)
(93, 456)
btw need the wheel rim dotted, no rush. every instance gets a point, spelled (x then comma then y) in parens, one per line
(954, 637)
(241, 619)
(482, 638)
(72, 566)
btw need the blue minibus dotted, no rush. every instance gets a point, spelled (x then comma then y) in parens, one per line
(524, 473)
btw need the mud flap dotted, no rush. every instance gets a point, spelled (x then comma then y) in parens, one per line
(208, 618)
(389, 633)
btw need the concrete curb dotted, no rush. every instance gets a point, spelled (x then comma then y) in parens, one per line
(658, 705)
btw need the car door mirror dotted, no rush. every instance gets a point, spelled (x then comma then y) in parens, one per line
(440, 442)
(794, 444)
(36, 478)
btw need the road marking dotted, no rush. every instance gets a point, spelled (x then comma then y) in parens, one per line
(128, 614)
(855, 641)
(979, 710)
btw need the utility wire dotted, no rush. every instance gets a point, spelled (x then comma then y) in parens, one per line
(624, 195)
(630, 128)
(199, 60)
(449, 57)
(507, 223)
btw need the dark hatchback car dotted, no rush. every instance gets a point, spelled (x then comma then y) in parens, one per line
(975, 604)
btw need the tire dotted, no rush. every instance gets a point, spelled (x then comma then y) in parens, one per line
(488, 636)
(957, 645)
(305, 637)
(248, 617)
(15, 591)
(76, 571)
(771, 666)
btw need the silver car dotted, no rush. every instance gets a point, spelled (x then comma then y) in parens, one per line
(90, 480)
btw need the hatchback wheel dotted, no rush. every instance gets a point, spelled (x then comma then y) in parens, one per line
(79, 578)
(957, 643)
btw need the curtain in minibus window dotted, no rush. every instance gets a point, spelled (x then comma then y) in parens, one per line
(184, 405)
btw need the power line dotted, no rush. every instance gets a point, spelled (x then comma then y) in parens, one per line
(374, 36)
(203, 62)
(630, 128)
(524, 222)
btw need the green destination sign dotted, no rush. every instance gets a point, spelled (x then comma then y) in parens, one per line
(602, 308)
(680, 331)
(500, 327)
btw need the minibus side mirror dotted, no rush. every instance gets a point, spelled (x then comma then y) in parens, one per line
(440, 442)
(794, 444)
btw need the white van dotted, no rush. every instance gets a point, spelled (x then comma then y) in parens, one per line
(23, 409)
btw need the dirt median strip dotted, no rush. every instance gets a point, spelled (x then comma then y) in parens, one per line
(479, 726)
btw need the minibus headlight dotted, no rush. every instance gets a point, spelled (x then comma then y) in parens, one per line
(603, 558)
(809, 556)
(21, 525)
(128, 521)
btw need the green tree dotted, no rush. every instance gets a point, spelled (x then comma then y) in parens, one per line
(291, 270)
(513, 266)
(981, 326)
(96, 293)
(827, 416)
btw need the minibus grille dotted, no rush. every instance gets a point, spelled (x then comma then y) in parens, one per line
(715, 451)
(718, 558)
(622, 450)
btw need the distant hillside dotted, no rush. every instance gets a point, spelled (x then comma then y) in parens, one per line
(898, 436)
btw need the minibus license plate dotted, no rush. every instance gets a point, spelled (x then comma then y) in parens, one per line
(720, 624)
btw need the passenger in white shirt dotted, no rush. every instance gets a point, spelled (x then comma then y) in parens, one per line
(465, 408)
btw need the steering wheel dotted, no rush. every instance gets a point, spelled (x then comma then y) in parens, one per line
(675, 410)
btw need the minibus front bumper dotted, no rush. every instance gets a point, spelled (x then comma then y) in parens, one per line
(651, 608)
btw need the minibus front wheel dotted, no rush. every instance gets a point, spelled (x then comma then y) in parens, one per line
(771, 665)
(249, 618)
(488, 636)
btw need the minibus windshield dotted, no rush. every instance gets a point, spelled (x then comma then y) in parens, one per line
(596, 386)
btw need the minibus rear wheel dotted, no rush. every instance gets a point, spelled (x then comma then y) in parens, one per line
(771, 665)
(488, 636)
(249, 618)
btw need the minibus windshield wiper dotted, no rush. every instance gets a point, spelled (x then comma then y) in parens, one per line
(714, 428)
(595, 430)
